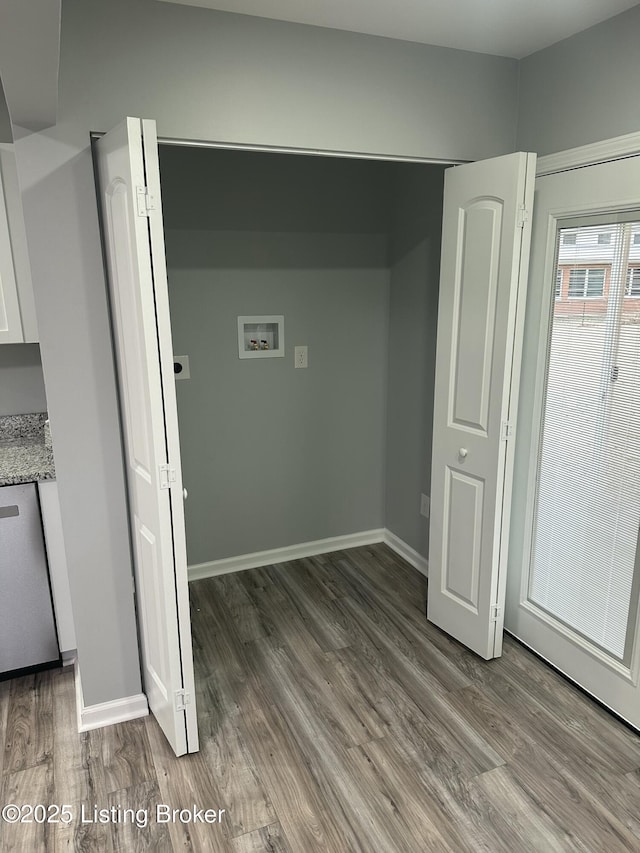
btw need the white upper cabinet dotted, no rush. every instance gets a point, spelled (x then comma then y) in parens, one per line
(17, 309)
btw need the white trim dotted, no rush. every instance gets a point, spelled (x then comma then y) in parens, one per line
(309, 549)
(283, 555)
(589, 155)
(107, 713)
(407, 552)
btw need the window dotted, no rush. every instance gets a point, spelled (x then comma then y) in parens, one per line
(559, 283)
(632, 286)
(604, 239)
(569, 239)
(586, 283)
(584, 575)
(636, 239)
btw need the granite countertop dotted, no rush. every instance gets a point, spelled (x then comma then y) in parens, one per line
(24, 456)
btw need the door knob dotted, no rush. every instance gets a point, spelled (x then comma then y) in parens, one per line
(185, 494)
(462, 453)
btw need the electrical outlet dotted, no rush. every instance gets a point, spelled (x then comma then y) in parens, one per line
(181, 367)
(300, 358)
(425, 505)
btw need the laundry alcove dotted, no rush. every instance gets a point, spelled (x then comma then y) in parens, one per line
(347, 251)
(484, 249)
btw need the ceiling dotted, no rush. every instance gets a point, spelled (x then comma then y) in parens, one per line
(512, 28)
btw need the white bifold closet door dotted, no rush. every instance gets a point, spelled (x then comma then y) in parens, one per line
(483, 277)
(573, 594)
(130, 201)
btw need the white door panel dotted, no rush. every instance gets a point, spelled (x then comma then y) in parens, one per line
(177, 492)
(482, 289)
(137, 283)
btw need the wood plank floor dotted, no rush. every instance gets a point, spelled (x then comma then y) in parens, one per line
(332, 717)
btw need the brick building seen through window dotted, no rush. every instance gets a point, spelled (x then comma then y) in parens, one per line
(587, 259)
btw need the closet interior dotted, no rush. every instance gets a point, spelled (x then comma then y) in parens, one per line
(344, 255)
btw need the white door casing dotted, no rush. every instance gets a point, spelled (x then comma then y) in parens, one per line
(483, 276)
(130, 201)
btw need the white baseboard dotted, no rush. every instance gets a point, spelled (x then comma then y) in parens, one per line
(107, 713)
(308, 549)
(407, 552)
(283, 555)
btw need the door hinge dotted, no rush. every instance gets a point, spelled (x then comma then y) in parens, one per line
(496, 613)
(167, 476)
(523, 216)
(146, 202)
(506, 430)
(182, 699)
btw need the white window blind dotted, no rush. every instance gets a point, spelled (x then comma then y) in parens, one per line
(587, 512)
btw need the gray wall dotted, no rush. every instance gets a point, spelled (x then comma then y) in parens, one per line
(413, 311)
(319, 240)
(202, 75)
(271, 455)
(21, 380)
(583, 89)
(213, 75)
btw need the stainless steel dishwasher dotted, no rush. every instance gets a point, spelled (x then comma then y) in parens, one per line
(27, 624)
